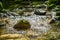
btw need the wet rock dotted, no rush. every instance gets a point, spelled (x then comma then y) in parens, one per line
(5, 15)
(22, 25)
(52, 21)
(20, 12)
(8, 14)
(28, 13)
(13, 14)
(40, 12)
(57, 13)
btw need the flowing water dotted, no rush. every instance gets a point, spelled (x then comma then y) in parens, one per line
(39, 24)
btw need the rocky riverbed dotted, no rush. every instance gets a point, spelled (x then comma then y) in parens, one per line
(33, 26)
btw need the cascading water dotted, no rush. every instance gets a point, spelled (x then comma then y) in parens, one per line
(38, 23)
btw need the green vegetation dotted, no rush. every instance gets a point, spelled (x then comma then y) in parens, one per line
(11, 4)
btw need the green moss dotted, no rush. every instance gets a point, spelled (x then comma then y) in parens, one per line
(22, 25)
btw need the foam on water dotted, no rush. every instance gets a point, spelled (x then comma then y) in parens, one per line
(38, 24)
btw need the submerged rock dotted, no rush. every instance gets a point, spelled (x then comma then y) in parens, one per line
(22, 25)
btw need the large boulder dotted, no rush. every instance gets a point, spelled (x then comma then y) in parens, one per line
(22, 25)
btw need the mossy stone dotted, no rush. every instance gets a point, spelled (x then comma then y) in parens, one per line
(22, 25)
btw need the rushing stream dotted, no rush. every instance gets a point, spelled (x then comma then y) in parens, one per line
(39, 24)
